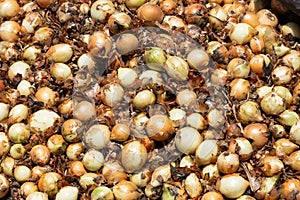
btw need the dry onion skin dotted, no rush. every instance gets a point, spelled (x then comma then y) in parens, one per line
(141, 99)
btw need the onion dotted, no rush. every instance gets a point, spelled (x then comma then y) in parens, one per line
(228, 163)
(284, 147)
(232, 185)
(4, 110)
(102, 192)
(28, 188)
(134, 156)
(290, 189)
(187, 140)
(67, 192)
(159, 127)
(249, 112)
(87, 180)
(141, 179)
(4, 186)
(271, 165)
(48, 183)
(37, 196)
(43, 121)
(125, 190)
(4, 144)
(207, 152)
(192, 185)
(97, 137)
(212, 196)
(160, 175)
(258, 133)
(93, 160)
(22, 173)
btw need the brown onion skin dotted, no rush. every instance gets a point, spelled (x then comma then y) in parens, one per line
(258, 132)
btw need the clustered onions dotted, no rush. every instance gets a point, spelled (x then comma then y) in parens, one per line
(203, 107)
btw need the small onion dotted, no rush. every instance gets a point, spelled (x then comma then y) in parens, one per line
(43, 121)
(28, 188)
(258, 133)
(240, 88)
(67, 192)
(9, 31)
(284, 147)
(4, 111)
(198, 59)
(9, 8)
(238, 68)
(192, 185)
(112, 94)
(155, 58)
(45, 95)
(271, 165)
(159, 127)
(7, 166)
(76, 168)
(125, 190)
(18, 113)
(282, 75)
(134, 4)
(93, 160)
(60, 71)
(266, 17)
(249, 111)
(177, 116)
(177, 68)
(288, 118)
(134, 156)
(196, 121)
(141, 179)
(48, 183)
(233, 185)
(40, 154)
(186, 97)
(160, 175)
(56, 144)
(97, 137)
(150, 13)
(19, 133)
(101, 9)
(241, 33)
(24, 88)
(210, 172)
(37, 196)
(127, 43)
(119, 22)
(242, 147)
(4, 186)
(84, 111)
(70, 130)
(228, 163)
(207, 152)
(212, 196)
(74, 151)
(59, 53)
(272, 104)
(215, 118)
(187, 140)
(290, 189)
(102, 192)
(17, 151)
(20, 68)
(127, 76)
(87, 180)
(113, 172)
(143, 99)
(22, 173)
